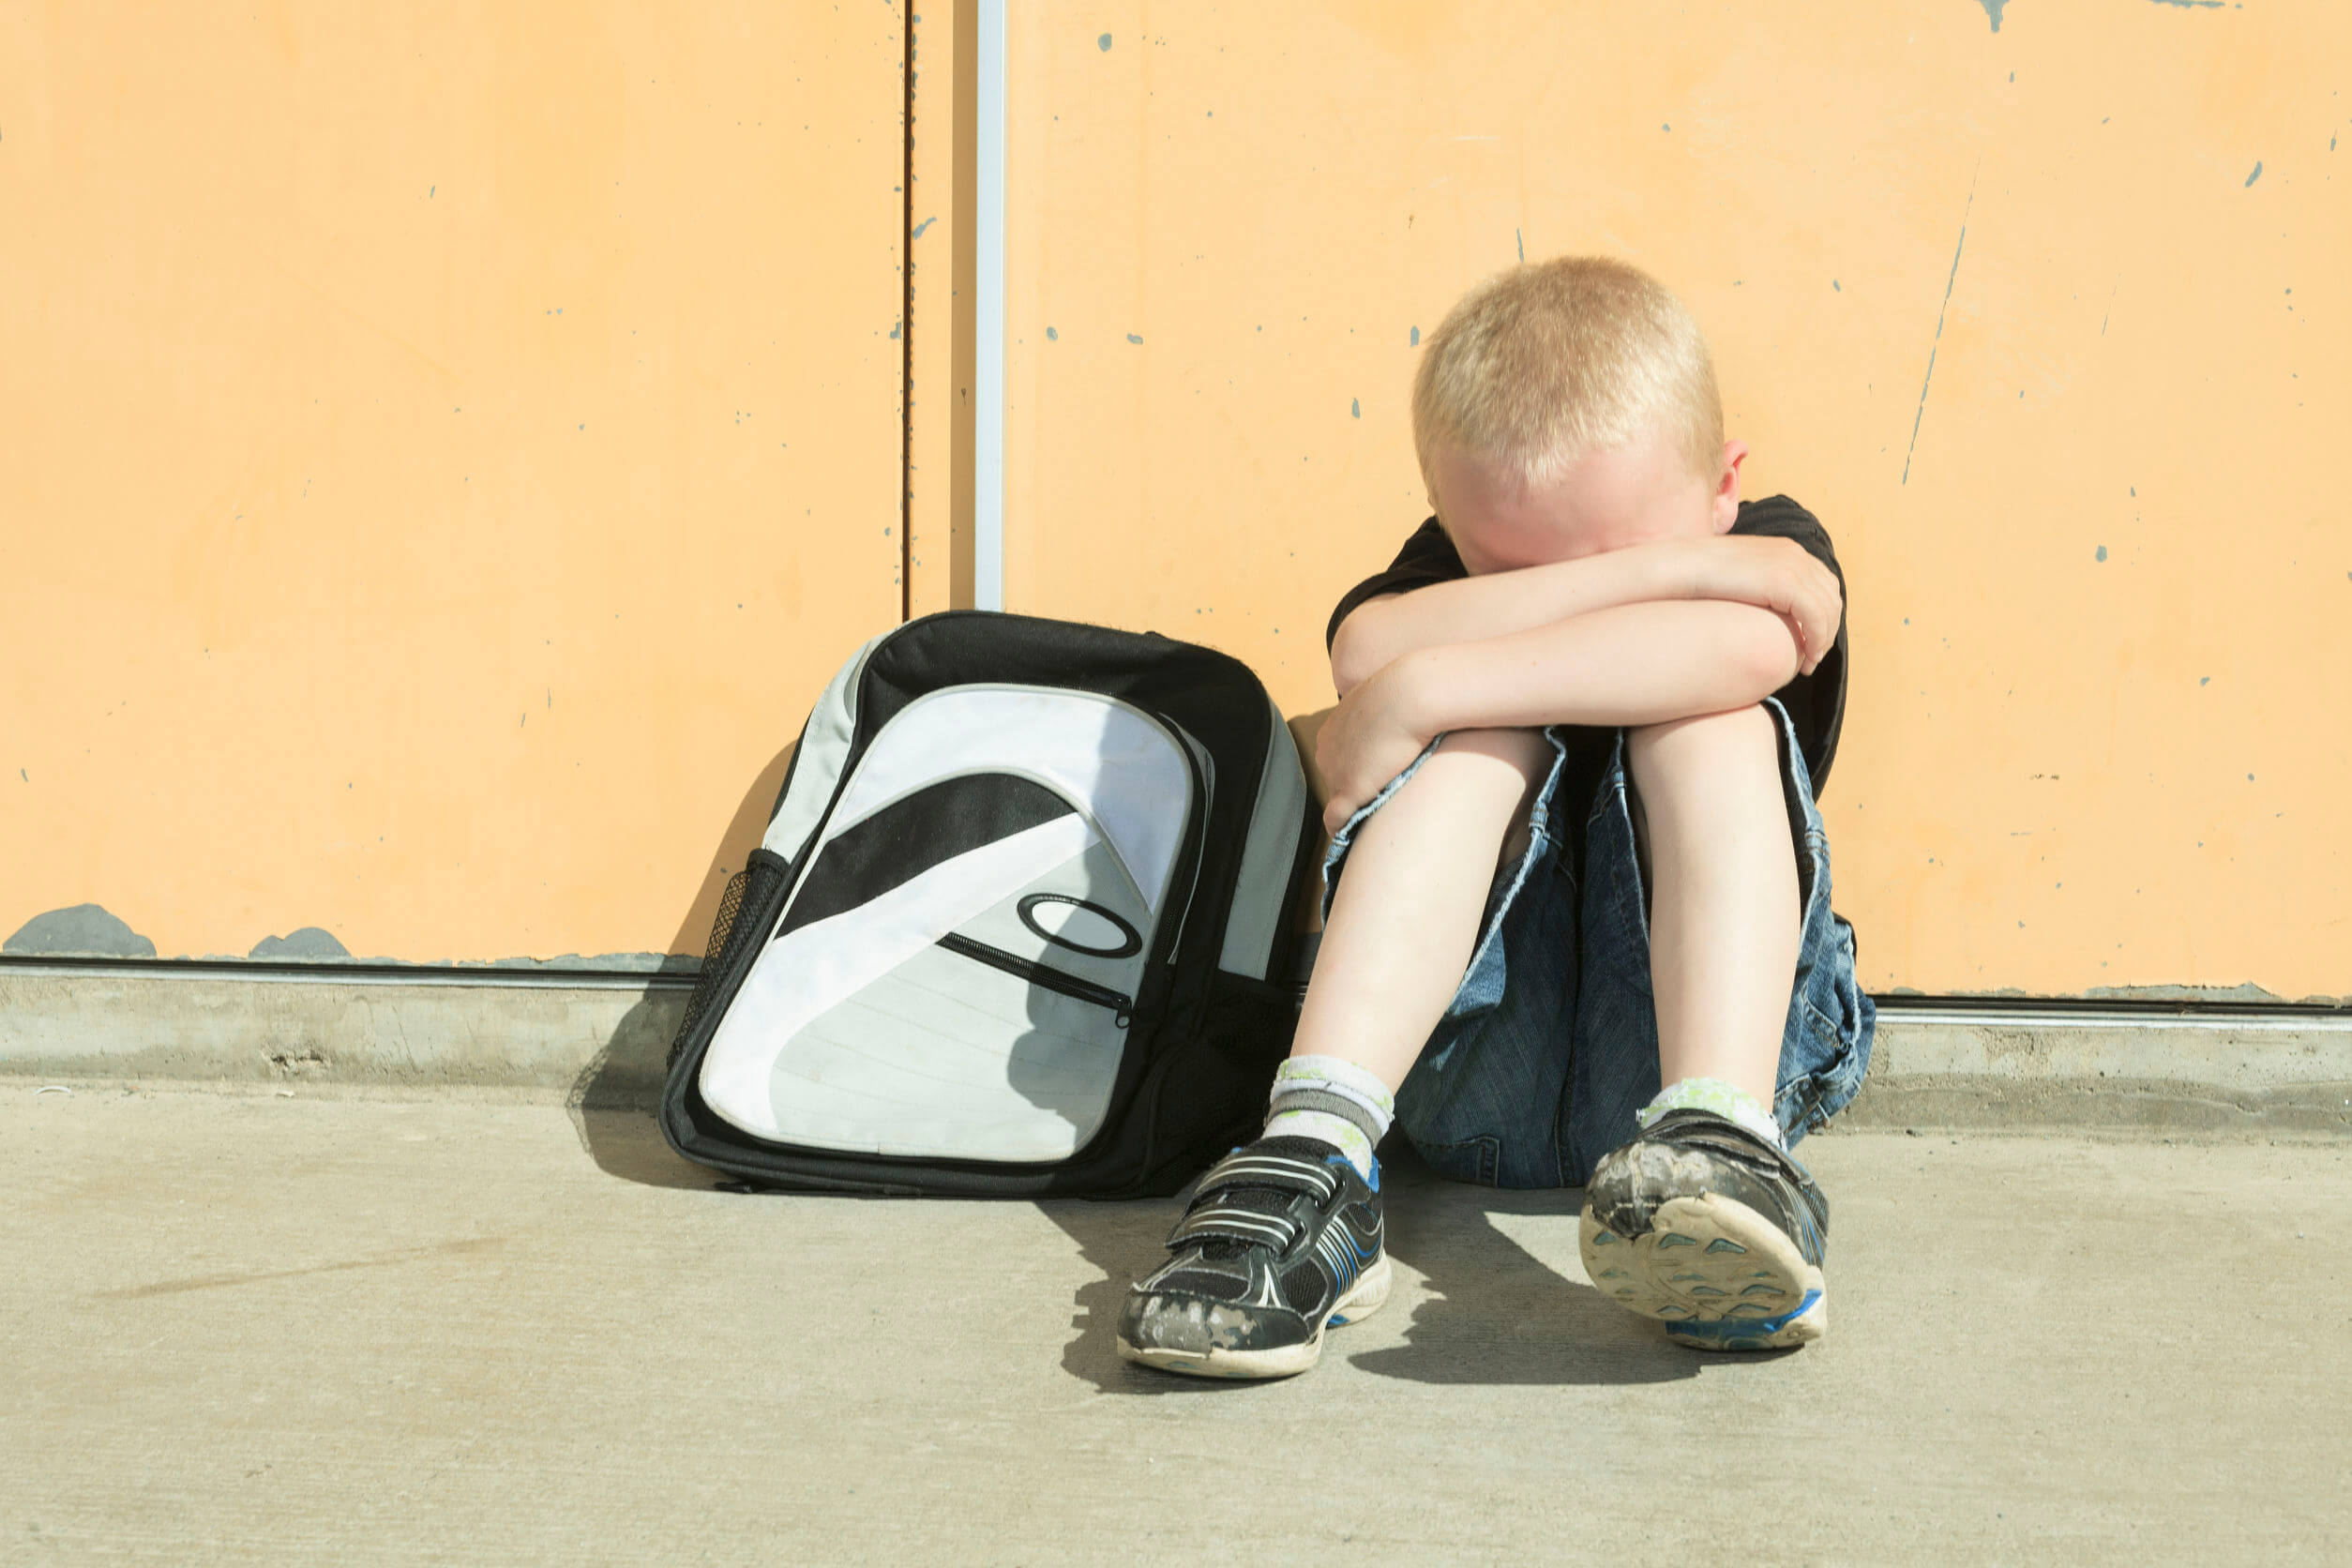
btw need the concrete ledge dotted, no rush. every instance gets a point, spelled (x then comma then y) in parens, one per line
(2152, 1066)
(600, 1038)
(579, 1033)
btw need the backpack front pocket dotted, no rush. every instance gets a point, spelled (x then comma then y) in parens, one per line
(956, 970)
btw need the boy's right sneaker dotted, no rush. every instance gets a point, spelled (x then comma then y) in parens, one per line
(1712, 1231)
(1281, 1241)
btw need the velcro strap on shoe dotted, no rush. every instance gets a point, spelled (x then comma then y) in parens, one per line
(1234, 1221)
(1720, 1135)
(1252, 1167)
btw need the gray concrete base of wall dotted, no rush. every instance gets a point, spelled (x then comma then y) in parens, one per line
(600, 1039)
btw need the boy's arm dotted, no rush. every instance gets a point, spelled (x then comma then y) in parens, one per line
(1628, 665)
(1773, 574)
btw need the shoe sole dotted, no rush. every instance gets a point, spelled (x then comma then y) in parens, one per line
(1359, 1301)
(1718, 1275)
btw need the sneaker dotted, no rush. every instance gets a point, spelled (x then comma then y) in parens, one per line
(1281, 1242)
(1715, 1231)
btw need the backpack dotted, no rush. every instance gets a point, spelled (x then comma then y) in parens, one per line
(1019, 926)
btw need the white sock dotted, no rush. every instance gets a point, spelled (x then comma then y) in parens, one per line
(1726, 1099)
(1332, 1099)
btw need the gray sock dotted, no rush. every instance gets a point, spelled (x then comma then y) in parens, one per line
(1332, 1099)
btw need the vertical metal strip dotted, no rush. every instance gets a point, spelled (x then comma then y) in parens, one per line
(988, 392)
(906, 319)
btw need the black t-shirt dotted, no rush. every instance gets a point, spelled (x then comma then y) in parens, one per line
(1815, 703)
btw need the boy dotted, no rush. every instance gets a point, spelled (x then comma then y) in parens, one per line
(1583, 934)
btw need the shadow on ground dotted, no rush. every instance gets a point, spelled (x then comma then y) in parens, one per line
(1119, 1240)
(611, 1102)
(625, 1142)
(612, 1099)
(1493, 1312)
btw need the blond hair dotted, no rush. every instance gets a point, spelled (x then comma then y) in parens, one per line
(1545, 363)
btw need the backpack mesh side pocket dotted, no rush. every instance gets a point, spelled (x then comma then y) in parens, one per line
(755, 888)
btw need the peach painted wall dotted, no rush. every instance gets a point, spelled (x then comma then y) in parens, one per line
(2100, 566)
(351, 585)
(442, 449)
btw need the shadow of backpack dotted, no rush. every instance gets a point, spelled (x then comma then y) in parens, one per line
(1019, 926)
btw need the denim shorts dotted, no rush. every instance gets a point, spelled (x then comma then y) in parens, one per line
(1550, 1043)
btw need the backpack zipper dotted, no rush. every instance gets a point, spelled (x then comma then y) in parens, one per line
(1196, 831)
(1121, 1008)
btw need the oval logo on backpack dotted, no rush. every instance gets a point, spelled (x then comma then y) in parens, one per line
(1079, 925)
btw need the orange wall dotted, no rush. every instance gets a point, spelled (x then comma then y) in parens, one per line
(2102, 605)
(441, 450)
(352, 587)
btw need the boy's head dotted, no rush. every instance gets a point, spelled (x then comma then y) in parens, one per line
(1568, 408)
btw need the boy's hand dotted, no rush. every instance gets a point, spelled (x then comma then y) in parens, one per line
(1773, 574)
(1367, 740)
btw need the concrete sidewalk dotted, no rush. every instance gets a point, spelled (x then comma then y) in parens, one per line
(242, 1327)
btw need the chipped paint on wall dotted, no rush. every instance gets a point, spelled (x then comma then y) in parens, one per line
(306, 941)
(81, 929)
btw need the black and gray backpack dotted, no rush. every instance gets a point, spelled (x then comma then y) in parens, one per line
(1019, 924)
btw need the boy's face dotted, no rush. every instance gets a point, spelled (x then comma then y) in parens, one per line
(1603, 501)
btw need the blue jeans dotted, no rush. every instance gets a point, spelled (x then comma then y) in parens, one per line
(1550, 1043)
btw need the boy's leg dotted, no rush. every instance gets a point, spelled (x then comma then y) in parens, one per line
(1403, 921)
(1284, 1237)
(1702, 1220)
(1725, 912)
(1401, 929)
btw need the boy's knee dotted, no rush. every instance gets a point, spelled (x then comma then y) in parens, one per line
(1706, 748)
(1477, 783)
(1506, 769)
(1526, 751)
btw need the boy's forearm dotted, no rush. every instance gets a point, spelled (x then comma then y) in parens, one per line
(1632, 664)
(1496, 605)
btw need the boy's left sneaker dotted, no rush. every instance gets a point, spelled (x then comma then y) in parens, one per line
(1712, 1231)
